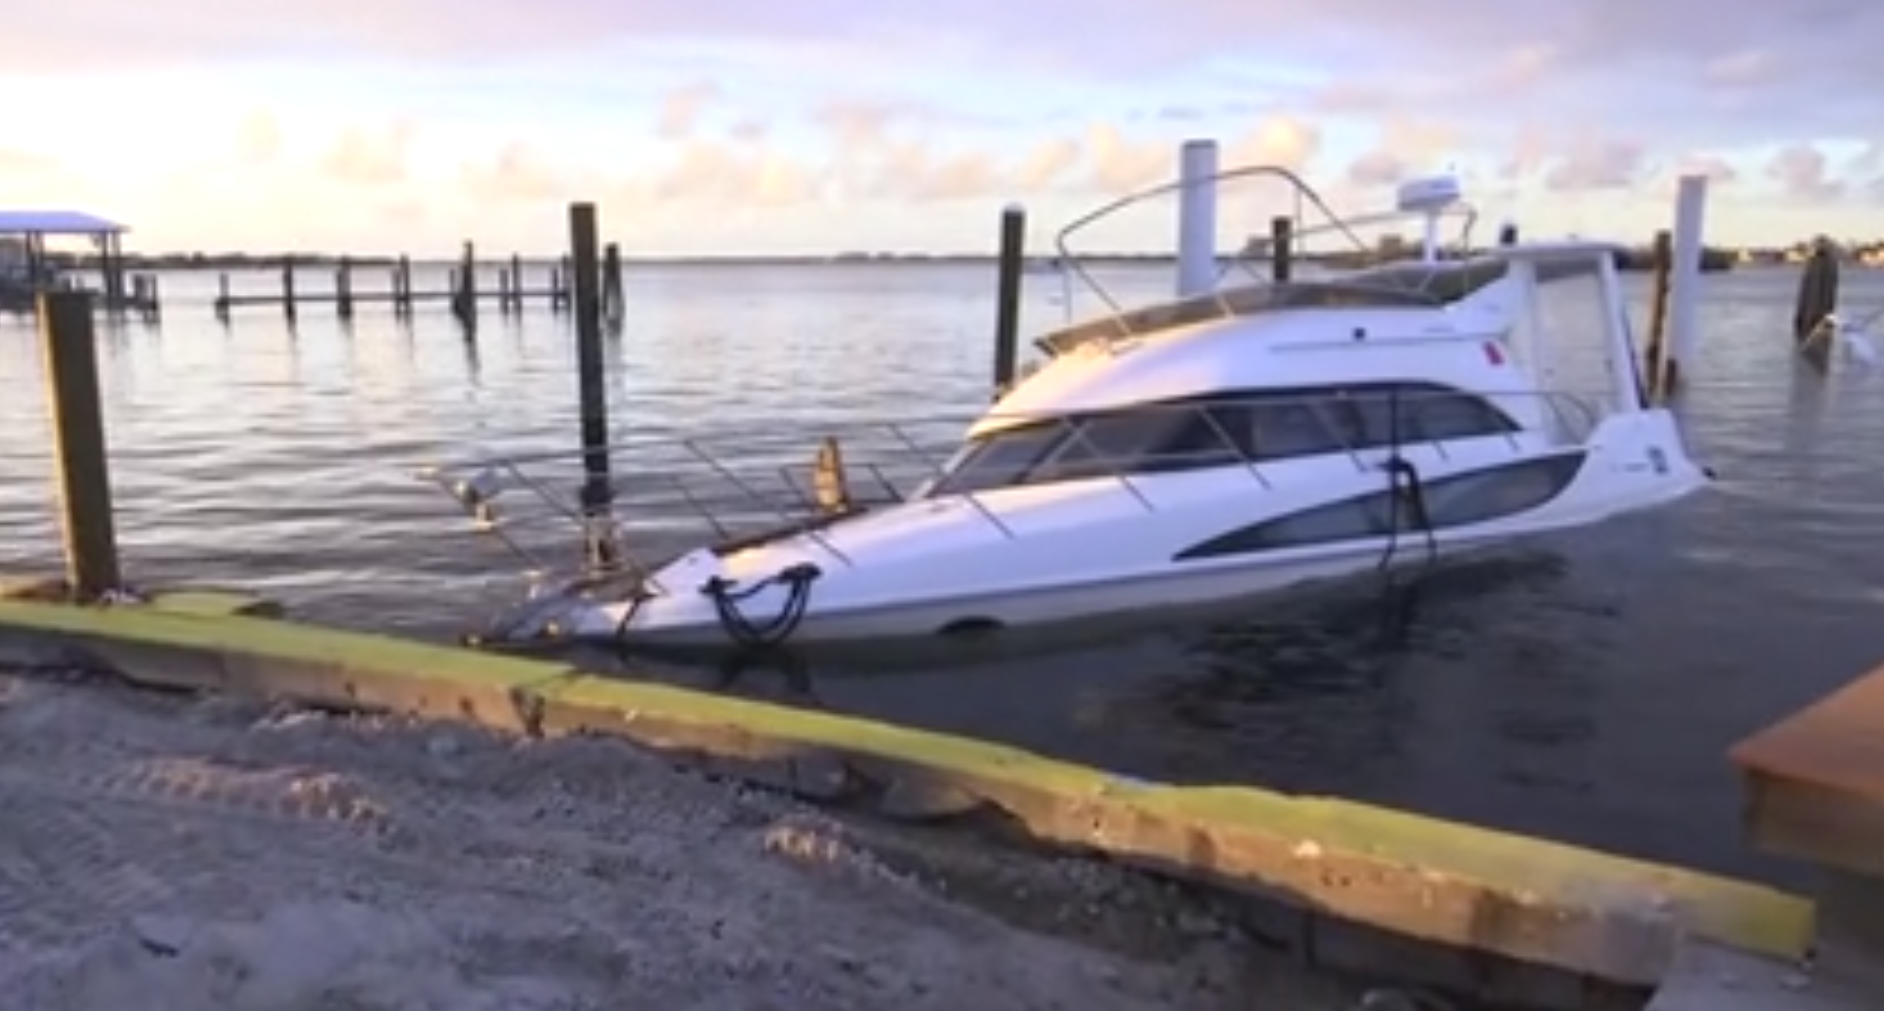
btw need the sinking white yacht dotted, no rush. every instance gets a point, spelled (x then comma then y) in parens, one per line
(1236, 443)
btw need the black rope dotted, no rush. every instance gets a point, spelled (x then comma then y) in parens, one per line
(1405, 488)
(796, 579)
(641, 596)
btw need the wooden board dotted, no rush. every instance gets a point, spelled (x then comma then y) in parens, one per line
(1815, 781)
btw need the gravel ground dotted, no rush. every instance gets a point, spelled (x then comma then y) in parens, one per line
(176, 854)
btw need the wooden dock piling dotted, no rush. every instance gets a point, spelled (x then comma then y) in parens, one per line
(145, 297)
(464, 302)
(1658, 350)
(1010, 264)
(613, 308)
(85, 512)
(289, 308)
(1281, 249)
(592, 386)
(461, 293)
(343, 289)
(402, 286)
(1817, 300)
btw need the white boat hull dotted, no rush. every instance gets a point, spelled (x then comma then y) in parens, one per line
(934, 570)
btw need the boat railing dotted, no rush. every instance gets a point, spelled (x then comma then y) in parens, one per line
(1311, 218)
(667, 496)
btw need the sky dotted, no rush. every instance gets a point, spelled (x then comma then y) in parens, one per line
(748, 126)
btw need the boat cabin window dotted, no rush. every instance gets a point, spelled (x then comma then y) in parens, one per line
(1461, 500)
(1222, 430)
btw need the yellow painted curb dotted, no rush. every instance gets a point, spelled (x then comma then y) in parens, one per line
(1470, 888)
(212, 651)
(1454, 884)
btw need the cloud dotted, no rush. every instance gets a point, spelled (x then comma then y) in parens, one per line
(749, 130)
(1671, 69)
(1596, 163)
(722, 174)
(88, 36)
(519, 172)
(1377, 168)
(1718, 170)
(1803, 174)
(258, 139)
(371, 155)
(681, 109)
(1745, 68)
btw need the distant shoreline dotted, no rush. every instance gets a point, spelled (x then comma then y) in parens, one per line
(1638, 259)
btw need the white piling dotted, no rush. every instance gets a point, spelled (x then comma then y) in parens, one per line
(1197, 218)
(1684, 278)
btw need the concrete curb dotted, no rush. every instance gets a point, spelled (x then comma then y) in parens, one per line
(1333, 864)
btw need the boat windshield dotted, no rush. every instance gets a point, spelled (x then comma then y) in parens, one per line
(1411, 285)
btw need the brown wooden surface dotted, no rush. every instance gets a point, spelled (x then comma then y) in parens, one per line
(1836, 743)
(80, 452)
(1815, 780)
(1828, 827)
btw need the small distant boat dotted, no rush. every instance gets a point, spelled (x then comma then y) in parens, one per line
(1043, 265)
(1227, 445)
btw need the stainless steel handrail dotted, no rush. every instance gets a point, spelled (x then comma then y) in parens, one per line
(1567, 419)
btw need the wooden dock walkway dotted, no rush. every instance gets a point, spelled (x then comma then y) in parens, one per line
(1814, 791)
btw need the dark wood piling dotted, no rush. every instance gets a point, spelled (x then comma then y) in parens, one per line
(343, 289)
(78, 425)
(516, 283)
(1659, 371)
(584, 271)
(464, 302)
(1281, 249)
(1009, 267)
(111, 266)
(289, 308)
(145, 298)
(1816, 302)
(402, 286)
(613, 302)
(222, 297)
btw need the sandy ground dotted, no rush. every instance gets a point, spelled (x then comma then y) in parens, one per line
(176, 854)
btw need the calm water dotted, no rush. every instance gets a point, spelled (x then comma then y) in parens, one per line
(1584, 689)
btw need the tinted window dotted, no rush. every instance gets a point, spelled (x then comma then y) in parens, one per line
(1223, 430)
(1003, 459)
(1446, 415)
(1450, 502)
(1292, 426)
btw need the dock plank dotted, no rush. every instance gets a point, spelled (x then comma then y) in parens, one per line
(1815, 781)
